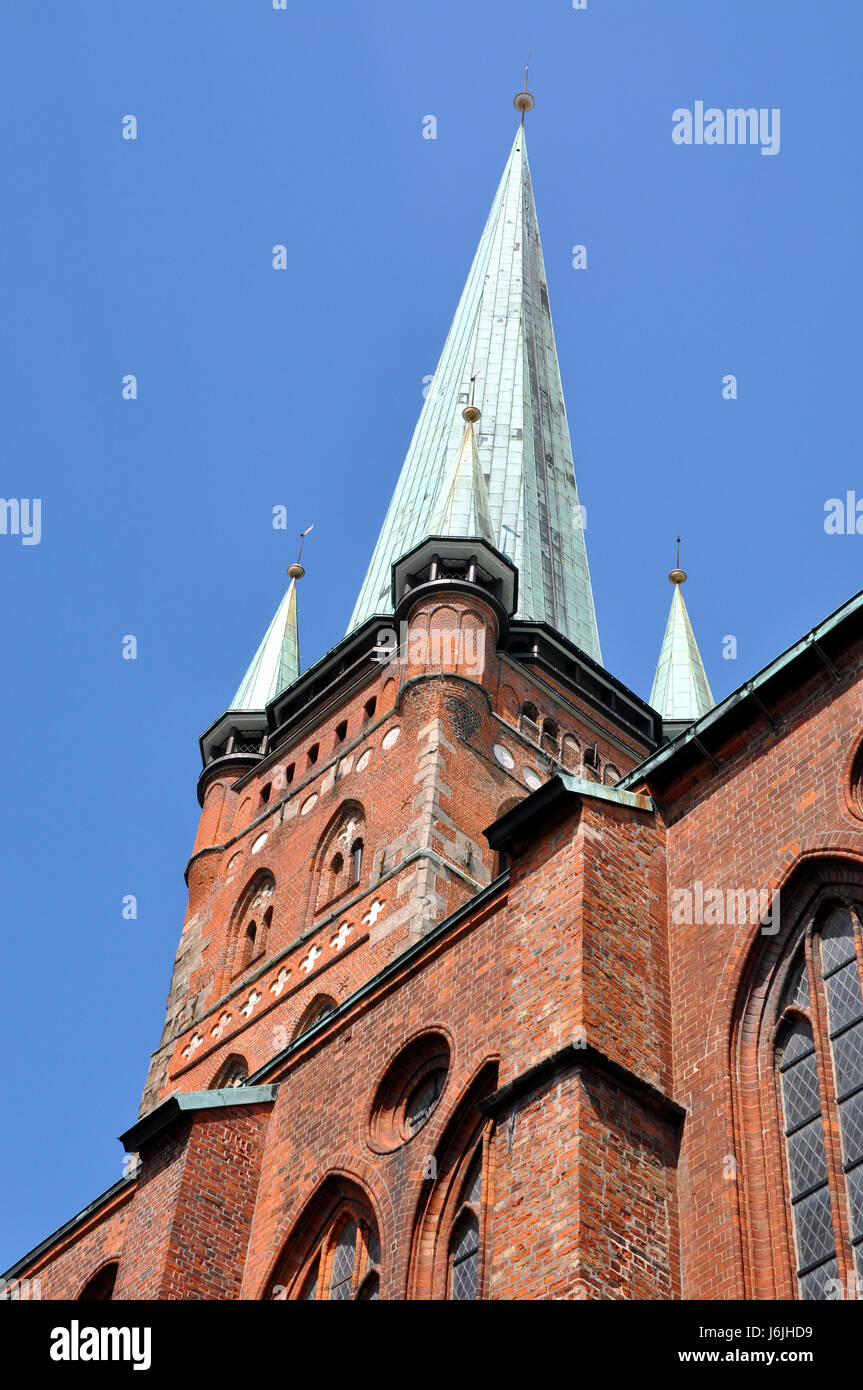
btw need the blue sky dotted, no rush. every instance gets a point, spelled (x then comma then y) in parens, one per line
(259, 388)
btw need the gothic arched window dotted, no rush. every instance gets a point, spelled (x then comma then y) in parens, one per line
(819, 1071)
(451, 1229)
(319, 1009)
(234, 1071)
(250, 927)
(338, 858)
(464, 1241)
(342, 1260)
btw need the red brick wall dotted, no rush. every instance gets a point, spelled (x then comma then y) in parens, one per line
(778, 804)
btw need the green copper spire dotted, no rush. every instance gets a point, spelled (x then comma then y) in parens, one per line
(680, 687)
(276, 663)
(502, 329)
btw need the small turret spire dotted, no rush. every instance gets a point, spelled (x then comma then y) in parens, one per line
(276, 663)
(462, 508)
(681, 690)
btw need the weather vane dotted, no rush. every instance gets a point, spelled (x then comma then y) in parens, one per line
(677, 575)
(523, 101)
(296, 570)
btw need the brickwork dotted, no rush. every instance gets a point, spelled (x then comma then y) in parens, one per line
(605, 1111)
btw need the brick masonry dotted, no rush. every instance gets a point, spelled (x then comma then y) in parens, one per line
(602, 1059)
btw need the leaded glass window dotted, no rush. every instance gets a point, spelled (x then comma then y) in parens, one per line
(845, 1023)
(824, 1000)
(423, 1101)
(346, 1261)
(464, 1245)
(806, 1155)
(464, 1259)
(343, 1263)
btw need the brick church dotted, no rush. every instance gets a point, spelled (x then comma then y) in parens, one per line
(498, 981)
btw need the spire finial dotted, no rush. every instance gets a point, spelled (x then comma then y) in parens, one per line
(296, 570)
(523, 101)
(677, 575)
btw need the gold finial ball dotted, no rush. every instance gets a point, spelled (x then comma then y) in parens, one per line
(471, 413)
(523, 102)
(296, 571)
(677, 576)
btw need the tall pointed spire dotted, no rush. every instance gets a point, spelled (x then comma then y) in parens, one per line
(502, 325)
(276, 663)
(680, 687)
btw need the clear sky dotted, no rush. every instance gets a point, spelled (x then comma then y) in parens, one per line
(301, 388)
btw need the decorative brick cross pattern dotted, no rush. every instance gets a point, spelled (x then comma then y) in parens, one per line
(308, 961)
(280, 981)
(193, 1045)
(341, 936)
(250, 1003)
(220, 1026)
(374, 912)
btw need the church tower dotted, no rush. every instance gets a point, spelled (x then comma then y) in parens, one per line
(343, 808)
(484, 989)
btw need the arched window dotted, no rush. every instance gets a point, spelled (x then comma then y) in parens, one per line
(819, 1075)
(591, 763)
(264, 930)
(336, 1254)
(337, 866)
(250, 925)
(234, 1071)
(452, 1222)
(248, 953)
(100, 1286)
(338, 858)
(321, 1006)
(551, 737)
(464, 1241)
(528, 720)
(571, 753)
(356, 861)
(610, 775)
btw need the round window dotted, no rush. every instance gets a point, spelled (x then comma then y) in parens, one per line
(423, 1100)
(409, 1093)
